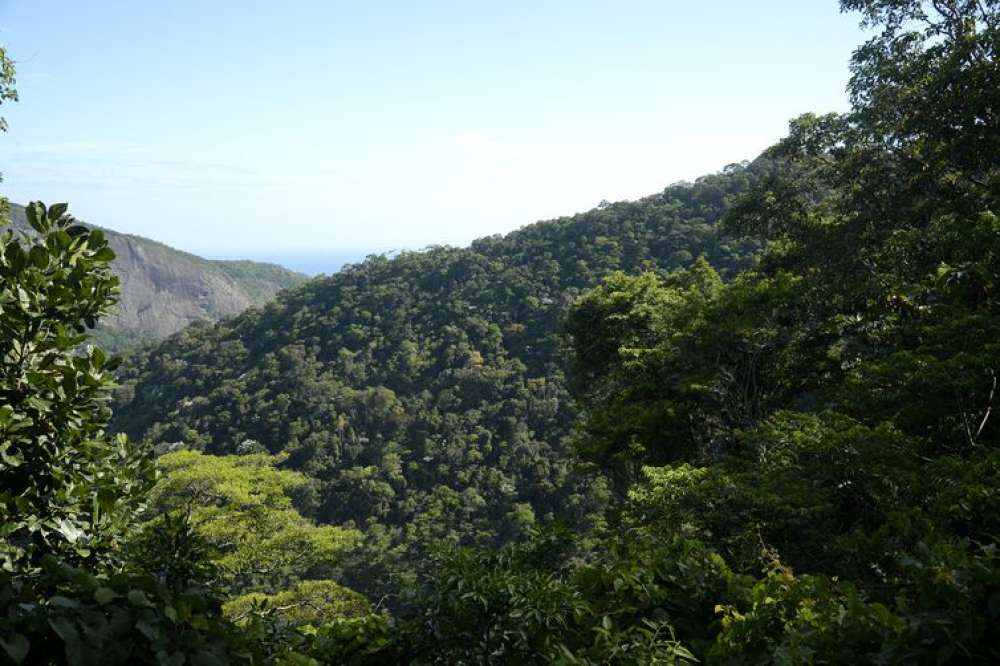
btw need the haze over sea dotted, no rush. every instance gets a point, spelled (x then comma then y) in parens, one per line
(308, 263)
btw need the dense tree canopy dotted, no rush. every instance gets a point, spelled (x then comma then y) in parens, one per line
(241, 507)
(828, 415)
(426, 393)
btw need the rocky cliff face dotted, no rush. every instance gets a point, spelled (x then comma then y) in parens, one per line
(164, 290)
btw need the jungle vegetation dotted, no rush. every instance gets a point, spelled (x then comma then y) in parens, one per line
(749, 419)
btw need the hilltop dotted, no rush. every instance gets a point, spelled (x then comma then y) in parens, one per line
(164, 290)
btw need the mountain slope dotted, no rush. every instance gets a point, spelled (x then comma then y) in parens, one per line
(164, 290)
(426, 393)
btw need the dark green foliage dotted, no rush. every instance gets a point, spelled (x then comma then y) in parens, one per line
(481, 607)
(369, 640)
(535, 602)
(828, 416)
(68, 492)
(947, 611)
(808, 486)
(171, 550)
(71, 616)
(65, 486)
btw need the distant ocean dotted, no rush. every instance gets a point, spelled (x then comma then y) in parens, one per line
(310, 263)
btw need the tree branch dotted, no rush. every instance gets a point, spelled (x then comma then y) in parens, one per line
(989, 407)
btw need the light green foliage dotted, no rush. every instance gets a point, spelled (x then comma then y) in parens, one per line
(803, 619)
(242, 507)
(65, 486)
(671, 368)
(312, 602)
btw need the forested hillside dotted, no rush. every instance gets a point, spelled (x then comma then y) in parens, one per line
(750, 420)
(425, 392)
(164, 290)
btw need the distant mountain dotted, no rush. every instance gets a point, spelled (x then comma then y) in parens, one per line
(164, 290)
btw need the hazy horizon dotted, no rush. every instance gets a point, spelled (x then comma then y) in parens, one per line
(320, 262)
(326, 128)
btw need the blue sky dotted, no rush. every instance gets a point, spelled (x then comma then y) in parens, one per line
(266, 129)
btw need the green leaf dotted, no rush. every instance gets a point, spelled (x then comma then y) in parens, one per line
(57, 210)
(38, 256)
(64, 602)
(104, 254)
(16, 647)
(98, 357)
(11, 459)
(138, 598)
(35, 214)
(105, 595)
(148, 630)
(65, 629)
(23, 298)
(69, 530)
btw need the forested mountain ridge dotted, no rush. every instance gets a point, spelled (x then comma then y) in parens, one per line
(426, 393)
(164, 290)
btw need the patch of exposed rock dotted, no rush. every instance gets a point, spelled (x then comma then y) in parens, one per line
(164, 290)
